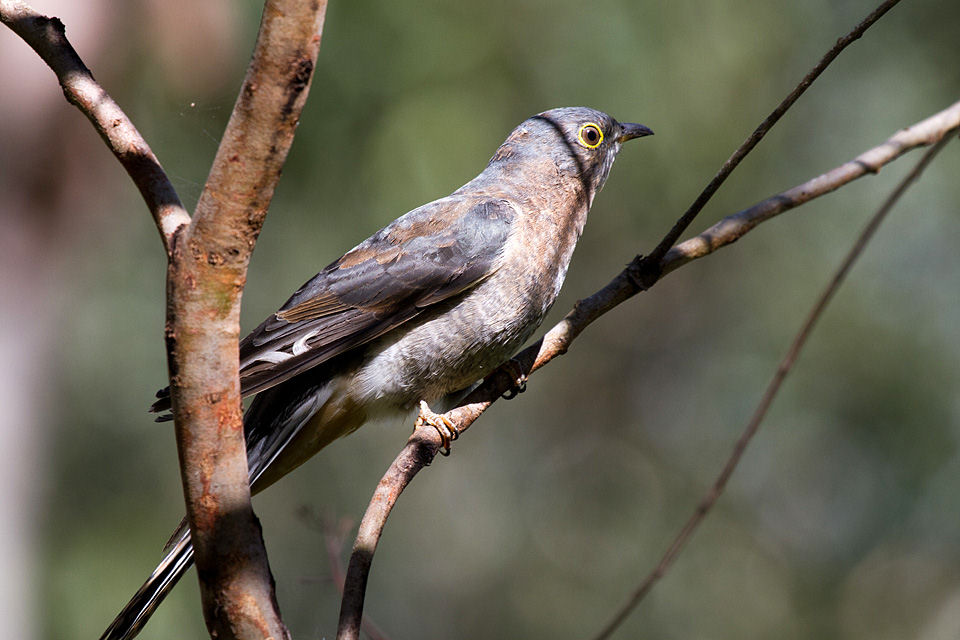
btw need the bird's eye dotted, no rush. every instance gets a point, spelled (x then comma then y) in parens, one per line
(590, 135)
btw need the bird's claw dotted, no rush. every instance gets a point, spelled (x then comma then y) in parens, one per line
(515, 371)
(445, 428)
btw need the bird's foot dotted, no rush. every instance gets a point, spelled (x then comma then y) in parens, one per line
(515, 371)
(447, 430)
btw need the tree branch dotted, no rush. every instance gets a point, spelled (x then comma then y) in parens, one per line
(786, 364)
(208, 259)
(424, 443)
(205, 280)
(648, 266)
(421, 448)
(732, 227)
(47, 36)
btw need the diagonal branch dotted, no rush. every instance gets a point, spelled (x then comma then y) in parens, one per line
(47, 36)
(424, 443)
(786, 364)
(731, 228)
(205, 279)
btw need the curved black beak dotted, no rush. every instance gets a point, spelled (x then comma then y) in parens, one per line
(630, 130)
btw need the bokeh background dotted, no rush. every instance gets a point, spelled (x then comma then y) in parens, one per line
(843, 519)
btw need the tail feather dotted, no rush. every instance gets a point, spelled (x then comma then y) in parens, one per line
(134, 616)
(274, 420)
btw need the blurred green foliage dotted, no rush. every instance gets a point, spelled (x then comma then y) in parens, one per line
(842, 520)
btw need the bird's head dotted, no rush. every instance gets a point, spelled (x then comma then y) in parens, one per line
(580, 142)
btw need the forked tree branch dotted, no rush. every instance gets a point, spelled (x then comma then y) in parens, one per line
(207, 266)
(47, 36)
(424, 444)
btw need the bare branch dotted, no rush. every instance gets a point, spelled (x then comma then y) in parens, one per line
(208, 259)
(419, 451)
(734, 226)
(650, 263)
(423, 445)
(207, 272)
(47, 36)
(786, 364)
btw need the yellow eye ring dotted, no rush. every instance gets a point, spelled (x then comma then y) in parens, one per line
(590, 135)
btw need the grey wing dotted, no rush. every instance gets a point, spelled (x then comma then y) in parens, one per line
(425, 257)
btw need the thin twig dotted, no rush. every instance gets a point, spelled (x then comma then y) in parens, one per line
(424, 443)
(732, 227)
(647, 266)
(786, 364)
(335, 538)
(47, 36)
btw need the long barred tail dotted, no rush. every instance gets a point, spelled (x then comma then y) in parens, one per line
(128, 622)
(275, 418)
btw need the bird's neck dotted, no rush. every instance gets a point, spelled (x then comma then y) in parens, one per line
(555, 196)
(553, 185)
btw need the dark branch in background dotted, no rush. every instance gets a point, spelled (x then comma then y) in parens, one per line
(47, 37)
(205, 278)
(423, 444)
(786, 364)
(647, 267)
(335, 535)
(208, 259)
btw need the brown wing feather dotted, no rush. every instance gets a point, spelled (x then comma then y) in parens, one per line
(317, 307)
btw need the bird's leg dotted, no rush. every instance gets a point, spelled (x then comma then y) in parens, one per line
(515, 371)
(447, 430)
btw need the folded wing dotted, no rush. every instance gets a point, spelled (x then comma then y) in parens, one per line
(430, 255)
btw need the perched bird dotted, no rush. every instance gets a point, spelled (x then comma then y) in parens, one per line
(423, 308)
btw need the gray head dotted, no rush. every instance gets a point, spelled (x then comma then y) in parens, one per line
(580, 141)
